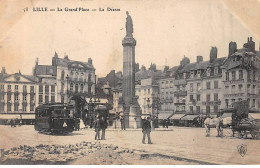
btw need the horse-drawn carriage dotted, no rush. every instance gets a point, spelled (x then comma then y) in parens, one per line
(240, 124)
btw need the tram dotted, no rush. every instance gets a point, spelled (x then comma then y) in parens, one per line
(55, 118)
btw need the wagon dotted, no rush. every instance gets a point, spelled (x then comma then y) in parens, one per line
(247, 126)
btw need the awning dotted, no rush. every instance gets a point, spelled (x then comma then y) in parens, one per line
(28, 116)
(254, 116)
(226, 115)
(163, 116)
(10, 116)
(189, 117)
(177, 116)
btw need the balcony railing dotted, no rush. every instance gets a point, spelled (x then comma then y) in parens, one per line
(234, 95)
(234, 81)
(180, 93)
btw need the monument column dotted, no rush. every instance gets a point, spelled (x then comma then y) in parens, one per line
(131, 107)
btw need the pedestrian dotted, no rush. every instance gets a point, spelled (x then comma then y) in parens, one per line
(103, 125)
(122, 120)
(146, 129)
(97, 128)
(166, 123)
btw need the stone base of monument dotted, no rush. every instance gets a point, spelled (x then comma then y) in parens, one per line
(135, 120)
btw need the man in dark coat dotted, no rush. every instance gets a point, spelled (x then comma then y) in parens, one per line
(146, 129)
(103, 126)
(97, 128)
(122, 120)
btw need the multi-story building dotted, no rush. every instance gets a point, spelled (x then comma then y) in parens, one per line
(211, 93)
(17, 93)
(240, 76)
(58, 82)
(66, 78)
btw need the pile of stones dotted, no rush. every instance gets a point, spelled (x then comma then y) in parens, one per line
(56, 154)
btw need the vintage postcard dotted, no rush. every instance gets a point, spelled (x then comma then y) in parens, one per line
(118, 82)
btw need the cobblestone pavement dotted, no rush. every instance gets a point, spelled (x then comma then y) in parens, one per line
(179, 142)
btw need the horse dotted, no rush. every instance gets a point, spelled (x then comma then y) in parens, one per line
(214, 123)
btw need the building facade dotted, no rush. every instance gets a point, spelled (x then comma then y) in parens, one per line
(17, 93)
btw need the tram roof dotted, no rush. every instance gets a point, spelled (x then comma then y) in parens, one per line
(54, 105)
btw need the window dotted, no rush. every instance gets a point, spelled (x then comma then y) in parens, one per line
(226, 102)
(226, 88)
(8, 97)
(24, 97)
(233, 75)
(31, 107)
(191, 108)
(2, 87)
(227, 76)
(233, 101)
(89, 88)
(24, 107)
(248, 87)
(53, 99)
(148, 91)
(240, 74)
(198, 86)
(208, 85)
(76, 88)
(254, 75)
(62, 87)
(253, 91)
(62, 75)
(215, 109)
(31, 98)
(240, 87)
(253, 103)
(46, 88)
(53, 88)
(198, 109)
(32, 89)
(215, 97)
(16, 107)
(198, 97)
(215, 84)
(8, 106)
(248, 75)
(208, 72)
(16, 87)
(2, 97)
(81, 87)
(46, 99)
(40, 89)
(62, 99)
(191, 97)
(71, 86)
(144, 91)
(191, 87)
(40, 99)
(216, 71)
(24, 88)
(207, 109)
(16, 97)
(89, 77)
(208, 97)
(233, 89)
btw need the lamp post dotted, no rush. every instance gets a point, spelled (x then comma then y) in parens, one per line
(67, 79)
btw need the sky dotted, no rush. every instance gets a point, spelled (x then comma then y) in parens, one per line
(164, 31)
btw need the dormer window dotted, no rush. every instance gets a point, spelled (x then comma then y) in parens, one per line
(216, 71)
(191, 75)
(208, 72)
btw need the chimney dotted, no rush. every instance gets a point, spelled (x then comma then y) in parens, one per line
(213, 54)
(199, 59)
(66, 56)
(232, 48)
(3, 70)
(90, 61)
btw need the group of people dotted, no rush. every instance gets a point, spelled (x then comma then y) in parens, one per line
(100, 125)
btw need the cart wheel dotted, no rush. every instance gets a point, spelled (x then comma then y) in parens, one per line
(242, 134)
(253, 134)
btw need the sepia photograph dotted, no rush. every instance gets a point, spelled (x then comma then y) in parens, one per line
(117, 82)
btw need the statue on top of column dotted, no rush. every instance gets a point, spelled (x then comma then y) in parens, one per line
(129, 25)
